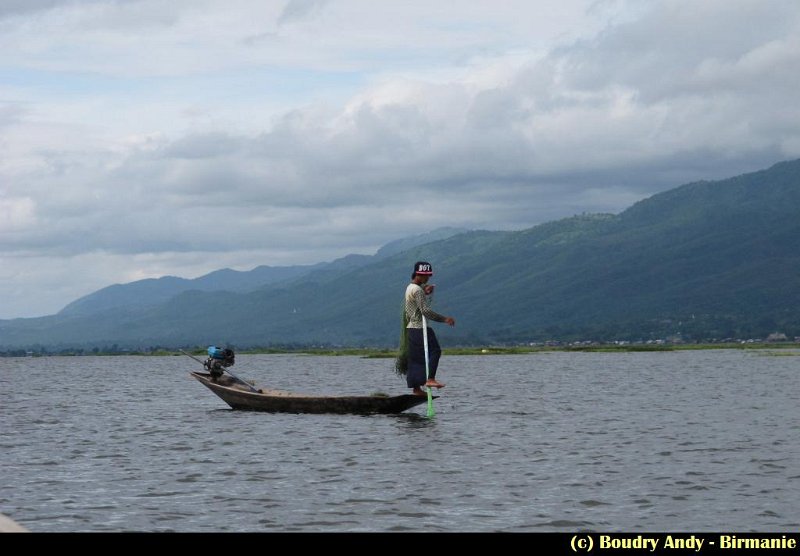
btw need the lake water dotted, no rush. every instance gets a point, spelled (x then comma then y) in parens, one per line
(673, 441)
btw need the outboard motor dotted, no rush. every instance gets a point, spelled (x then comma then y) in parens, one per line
(218, 358)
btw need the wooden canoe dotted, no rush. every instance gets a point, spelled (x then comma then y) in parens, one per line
(279, 401)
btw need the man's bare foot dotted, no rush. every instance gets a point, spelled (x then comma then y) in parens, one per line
(433, 383)
(418, 392)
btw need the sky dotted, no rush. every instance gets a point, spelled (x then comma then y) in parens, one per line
(142, 138)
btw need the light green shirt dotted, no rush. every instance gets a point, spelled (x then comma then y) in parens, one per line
(417, 305)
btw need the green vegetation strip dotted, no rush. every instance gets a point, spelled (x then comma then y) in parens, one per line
(775, 349)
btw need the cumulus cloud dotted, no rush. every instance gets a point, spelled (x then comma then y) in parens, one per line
(233, 152)
(299, 9)
(11, 8)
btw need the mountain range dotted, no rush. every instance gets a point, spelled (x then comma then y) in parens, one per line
(706, 260)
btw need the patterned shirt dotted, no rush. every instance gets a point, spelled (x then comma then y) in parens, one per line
(417, 305)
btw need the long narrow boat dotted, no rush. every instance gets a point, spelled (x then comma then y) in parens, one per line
(242, 397)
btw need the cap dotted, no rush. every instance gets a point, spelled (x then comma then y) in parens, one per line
(421, 267)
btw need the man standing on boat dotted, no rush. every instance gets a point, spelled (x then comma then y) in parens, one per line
(412, 358)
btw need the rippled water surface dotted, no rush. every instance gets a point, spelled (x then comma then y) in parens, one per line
(673, 441)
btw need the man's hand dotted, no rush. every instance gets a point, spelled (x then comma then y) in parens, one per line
(428, 289)
(450, 320)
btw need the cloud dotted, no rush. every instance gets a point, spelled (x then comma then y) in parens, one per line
(10, 8)
(296, 10)
(217, 152)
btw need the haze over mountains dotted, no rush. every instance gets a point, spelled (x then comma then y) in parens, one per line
(701, 261)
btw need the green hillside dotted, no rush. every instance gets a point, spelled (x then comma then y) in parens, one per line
(705, 260)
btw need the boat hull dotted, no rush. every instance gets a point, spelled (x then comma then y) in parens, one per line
(275, 401)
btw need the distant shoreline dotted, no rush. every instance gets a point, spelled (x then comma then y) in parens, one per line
(512, 350)
(385, 353)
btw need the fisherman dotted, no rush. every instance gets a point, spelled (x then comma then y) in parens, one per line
(411, 361)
